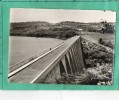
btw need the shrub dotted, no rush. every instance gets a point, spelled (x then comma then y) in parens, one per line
(94, 54)
(92, 76)
(100, 41)
(108, 43)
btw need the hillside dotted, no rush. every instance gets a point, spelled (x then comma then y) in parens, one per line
(61, 30)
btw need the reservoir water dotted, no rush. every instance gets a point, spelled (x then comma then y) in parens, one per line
(21, 48)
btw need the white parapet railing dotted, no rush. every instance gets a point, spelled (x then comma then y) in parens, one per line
(40, 74)
(21, 63)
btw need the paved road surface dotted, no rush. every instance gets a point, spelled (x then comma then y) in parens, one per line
(29, 73)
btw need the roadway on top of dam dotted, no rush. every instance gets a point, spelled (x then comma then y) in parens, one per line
(28, 72)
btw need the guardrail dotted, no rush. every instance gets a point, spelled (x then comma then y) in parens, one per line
(21, 63)
(48, 67)
(53, 63)
(16, 69)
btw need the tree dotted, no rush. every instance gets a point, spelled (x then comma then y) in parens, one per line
(107, 27)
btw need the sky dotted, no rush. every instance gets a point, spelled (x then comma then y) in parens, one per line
(58, 15)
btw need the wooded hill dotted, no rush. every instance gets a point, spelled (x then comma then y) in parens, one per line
(62, 30)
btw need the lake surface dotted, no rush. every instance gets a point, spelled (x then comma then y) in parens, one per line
(22, 48)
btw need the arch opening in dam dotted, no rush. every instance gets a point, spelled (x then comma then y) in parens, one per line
(63, 59)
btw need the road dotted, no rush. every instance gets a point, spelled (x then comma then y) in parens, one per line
(38, 65)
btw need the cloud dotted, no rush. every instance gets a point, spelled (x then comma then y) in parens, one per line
(58, 15)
